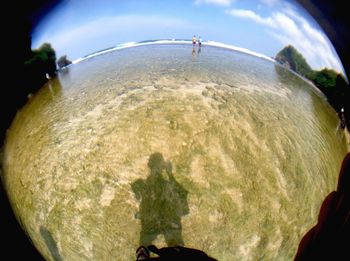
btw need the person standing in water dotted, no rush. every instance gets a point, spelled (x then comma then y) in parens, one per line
(199, 44)
(194, 40)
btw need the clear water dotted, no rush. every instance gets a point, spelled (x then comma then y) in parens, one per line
(217, 150)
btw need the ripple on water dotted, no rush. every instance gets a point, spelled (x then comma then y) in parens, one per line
(255, 148)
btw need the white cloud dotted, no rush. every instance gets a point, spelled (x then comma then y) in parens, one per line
(252, 16)
(270, 2)
(214, 2)
(290, 28)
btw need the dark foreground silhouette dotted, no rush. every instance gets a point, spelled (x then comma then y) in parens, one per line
(329, 239)
(171, 254)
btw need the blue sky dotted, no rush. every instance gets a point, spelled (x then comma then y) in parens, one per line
(79, 27)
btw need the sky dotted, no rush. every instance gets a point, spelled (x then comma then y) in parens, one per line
(80, 27)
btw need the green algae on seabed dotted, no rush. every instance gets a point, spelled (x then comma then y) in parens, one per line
(253, 146)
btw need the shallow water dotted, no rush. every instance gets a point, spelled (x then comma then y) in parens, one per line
(219, 150)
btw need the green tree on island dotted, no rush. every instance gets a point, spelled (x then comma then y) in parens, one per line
(330, 82)
(42, 61)
(325, 78)
(290, 57)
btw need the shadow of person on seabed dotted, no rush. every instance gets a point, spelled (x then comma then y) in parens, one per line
(50, 243)
(163, 203)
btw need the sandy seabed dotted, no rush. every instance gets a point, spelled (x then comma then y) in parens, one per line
(117, 153)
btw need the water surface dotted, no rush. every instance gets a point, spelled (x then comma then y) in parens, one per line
(236, 155)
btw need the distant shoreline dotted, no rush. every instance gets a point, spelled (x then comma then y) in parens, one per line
(173, 41)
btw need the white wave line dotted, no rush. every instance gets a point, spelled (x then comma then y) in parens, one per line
(173, 41)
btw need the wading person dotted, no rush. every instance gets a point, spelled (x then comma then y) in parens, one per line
(194, 40)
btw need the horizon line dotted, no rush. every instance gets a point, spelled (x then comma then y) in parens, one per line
(172, 41)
